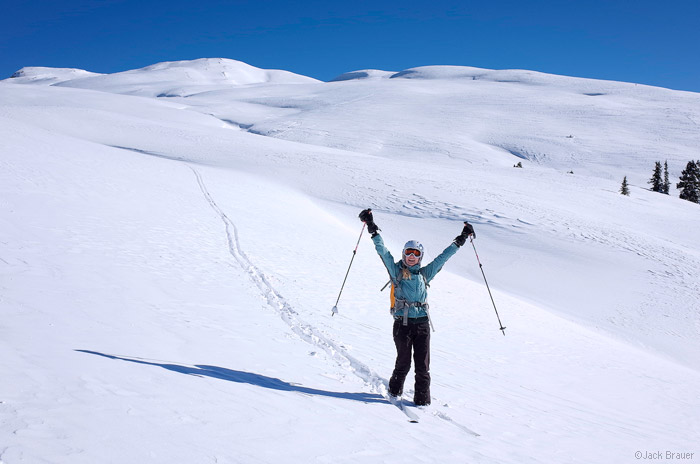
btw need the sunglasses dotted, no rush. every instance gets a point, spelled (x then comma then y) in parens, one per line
(412, 251)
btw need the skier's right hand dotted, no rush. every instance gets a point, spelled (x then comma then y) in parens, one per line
(367, 218)
(366, 215)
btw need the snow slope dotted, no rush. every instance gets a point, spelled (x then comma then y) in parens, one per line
(174, 78)
(169, 265)
(52, 76)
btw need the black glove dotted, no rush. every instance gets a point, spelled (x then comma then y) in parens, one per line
(468, 230)
(366, 215)
(367, 218)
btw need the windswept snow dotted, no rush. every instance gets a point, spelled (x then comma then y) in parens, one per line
(174, 237)
(51, 76)
(363, 74)
(178, 78)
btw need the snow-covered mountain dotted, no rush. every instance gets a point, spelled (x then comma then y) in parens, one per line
(174, 238)
(52, 76)
(174, 78)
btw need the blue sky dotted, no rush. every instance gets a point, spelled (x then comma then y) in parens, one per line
(648, 42)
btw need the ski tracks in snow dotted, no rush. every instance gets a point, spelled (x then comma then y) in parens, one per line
(305, 331)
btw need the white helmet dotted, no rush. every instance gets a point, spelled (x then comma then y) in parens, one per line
(412, 245)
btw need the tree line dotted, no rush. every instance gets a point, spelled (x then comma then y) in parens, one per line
(689, 181)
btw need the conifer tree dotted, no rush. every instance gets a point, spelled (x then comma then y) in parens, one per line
(655, 180)
(689, 184)
(667, 184)
(624, 189)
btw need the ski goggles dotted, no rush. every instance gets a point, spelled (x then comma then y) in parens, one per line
(412, 251)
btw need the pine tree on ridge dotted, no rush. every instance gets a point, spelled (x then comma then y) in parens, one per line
(689, 184)
(624, 189)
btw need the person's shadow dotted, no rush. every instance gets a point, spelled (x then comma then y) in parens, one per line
(247, 377)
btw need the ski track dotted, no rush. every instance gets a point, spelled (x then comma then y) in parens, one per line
(289, 315)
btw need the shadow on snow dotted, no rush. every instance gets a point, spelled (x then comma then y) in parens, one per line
(246, 377)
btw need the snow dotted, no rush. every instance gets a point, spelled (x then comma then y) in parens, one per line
(363, 74)
(43, 75)
(173, 78)
(174, 238)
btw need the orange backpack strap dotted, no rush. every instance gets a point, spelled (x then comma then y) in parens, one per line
(392, 294)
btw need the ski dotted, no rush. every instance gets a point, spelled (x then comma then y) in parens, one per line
(430, 410)
(464, 429)
(398, 402)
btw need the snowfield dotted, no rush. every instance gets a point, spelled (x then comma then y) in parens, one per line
(173, 240)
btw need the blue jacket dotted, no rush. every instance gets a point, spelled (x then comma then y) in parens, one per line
(414, 288)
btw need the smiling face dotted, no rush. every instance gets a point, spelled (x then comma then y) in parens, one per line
(411, 256)
(412, 260)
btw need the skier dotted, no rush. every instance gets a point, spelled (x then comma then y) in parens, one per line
(409, 306)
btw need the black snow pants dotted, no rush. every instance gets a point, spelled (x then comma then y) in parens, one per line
(413, 338)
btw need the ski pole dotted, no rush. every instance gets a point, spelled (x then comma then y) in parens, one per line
(503, 329)
(334, 311)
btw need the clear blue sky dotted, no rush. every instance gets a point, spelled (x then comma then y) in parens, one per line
(650, 42)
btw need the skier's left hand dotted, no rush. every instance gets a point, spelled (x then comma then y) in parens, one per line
(468, 230)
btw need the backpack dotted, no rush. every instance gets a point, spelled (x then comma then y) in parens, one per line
(392, 295)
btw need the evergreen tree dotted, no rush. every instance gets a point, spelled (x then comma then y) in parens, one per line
(624, 189)
(667, 184)
(655, 180)
(689, 184)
